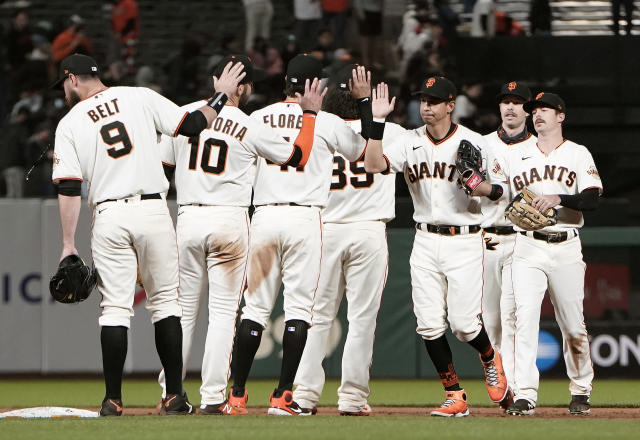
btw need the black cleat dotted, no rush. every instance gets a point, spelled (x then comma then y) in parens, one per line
(521, 407)
(580, 405)
(176, 405)
(111, 408)
(507, 401)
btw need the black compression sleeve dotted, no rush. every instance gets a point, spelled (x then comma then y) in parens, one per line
(296, 157)
(587, 200)
(70, 188)
(366, 117)
(168, 171)
(193, 124)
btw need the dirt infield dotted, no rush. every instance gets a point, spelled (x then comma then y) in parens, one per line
(404, 411)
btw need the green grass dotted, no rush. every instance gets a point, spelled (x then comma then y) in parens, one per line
(319, 427)
(21, 393)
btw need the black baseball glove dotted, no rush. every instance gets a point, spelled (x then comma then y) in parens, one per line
(469, 166)
(73, 282)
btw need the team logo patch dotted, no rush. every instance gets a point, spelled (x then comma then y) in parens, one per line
(539, 95)
(496, 167)
(430, 82)
(592, 171)
(512, 85)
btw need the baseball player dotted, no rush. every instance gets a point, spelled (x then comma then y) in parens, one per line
(498, 306)
(109, 139)
(286, 237)
(447, 255)
(354, 259)
(564, 176)
(213, 174)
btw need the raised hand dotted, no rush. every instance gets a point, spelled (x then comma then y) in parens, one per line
(313, 94)
(229, 79)
(380, 104)
(360, 82)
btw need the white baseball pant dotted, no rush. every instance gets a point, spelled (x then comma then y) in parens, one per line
(538, 265)
(446, 283)
(213, 244)
(498, 303)
(125, 234)
(354, 262)
(286, 248)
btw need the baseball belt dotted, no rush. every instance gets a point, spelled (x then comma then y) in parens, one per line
(551, 237)
(448, 229)
(126, 199)
(500, 230)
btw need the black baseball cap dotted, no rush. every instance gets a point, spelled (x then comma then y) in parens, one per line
(78, 65)
(253, 74)
(514, 88)
(544, 99)
(303, 67)
(341, 77)
(438, 87)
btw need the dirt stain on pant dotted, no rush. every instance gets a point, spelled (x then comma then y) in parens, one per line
(261, 260)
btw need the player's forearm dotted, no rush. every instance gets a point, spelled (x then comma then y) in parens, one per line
(69, 212)
(374, 161)
(304, 142)
(587, 200)
(198, 120)
(485, 189)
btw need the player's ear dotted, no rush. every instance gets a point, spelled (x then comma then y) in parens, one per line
(450, 106)
(560, 117)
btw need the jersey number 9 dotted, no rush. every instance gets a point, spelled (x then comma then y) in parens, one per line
(115, 133)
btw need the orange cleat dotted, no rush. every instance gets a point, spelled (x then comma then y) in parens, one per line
(454, 406)
(238, 405)
(284, 405)
(496, 380)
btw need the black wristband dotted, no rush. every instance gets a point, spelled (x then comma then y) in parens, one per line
(366, 117)
(309, 111)
(218, 101)
(496, 192)
(377, 131)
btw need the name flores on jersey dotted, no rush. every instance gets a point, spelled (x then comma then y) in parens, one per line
(551, 172)
(440, 170)
(283, 121)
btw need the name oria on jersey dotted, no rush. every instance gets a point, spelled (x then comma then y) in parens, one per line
(550, 172)
(440, 170)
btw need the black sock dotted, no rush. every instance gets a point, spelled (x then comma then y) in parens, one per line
(169, 347)
(114, 352)
(440, 354)
(482, 344)
(293, 341)
(244, 350)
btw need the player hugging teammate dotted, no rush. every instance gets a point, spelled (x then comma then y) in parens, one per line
(322, 200)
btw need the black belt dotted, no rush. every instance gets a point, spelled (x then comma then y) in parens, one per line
(500, 230)
(447, 229)
(284, 204)
(550, 237)
(142, 197)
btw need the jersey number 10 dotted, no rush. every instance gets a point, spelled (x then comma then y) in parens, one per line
(220, 165)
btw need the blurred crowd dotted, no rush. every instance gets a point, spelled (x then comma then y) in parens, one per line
(401, 41)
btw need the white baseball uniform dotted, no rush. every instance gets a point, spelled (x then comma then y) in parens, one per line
(539, 265)
(214, 174)
(109, 140)
(446, 270)
(498, 304)
(354, 261)
(286, 228)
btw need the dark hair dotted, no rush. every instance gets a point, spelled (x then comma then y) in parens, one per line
(291, 89)
(88, 76)
(340, 103)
